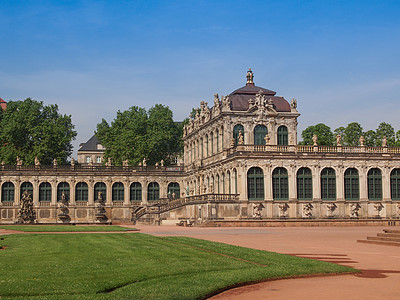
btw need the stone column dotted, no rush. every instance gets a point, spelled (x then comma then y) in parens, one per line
(53, 192)
(241, 182)
(268, 183)
(17, 195)
(144, 192)
(316, 183)
(340, 184)
(91, 195)
(363, 184)
(386, 197)
(292, 183)
(127, 200)
(35, 192)
(72, 192)
(109, 192)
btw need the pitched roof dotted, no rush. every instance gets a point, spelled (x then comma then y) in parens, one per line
(91, 145)
(3, 104)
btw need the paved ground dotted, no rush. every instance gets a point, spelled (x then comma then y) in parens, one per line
(380, 265)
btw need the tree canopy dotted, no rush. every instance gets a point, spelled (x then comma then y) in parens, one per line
(30, 129)
(323, 132)
(136, 134)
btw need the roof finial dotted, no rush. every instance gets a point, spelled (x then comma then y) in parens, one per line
(249, 77)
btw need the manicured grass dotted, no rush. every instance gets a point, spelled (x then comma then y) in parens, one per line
(135, 266)
(62, 228)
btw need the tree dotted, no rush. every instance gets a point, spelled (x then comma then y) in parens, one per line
(370, 138)
(352, 134)
(323, 132)
(136, 134)
(29, 129)
(385, 129)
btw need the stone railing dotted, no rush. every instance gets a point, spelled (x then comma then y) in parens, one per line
(164, 205)
(87, 168)
(315, 149)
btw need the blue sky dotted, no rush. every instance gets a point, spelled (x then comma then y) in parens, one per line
(339, 59)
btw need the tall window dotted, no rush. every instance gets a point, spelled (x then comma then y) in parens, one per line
(100, 187)
(283, 136)
(45, 192)
(136, 191)
(212, 143)
(174, 190)
(218, 189)
(118, 191)
(7, 192)
(304, 184)
(238, 128)
(328, 184)
(222, 138)
(395, 184)
(63, 191)
(217, 140)
(255, 184)
(207, 151)
(153, 191)
(27, 186)
(223, 183)
(202, 148)
(260, 131)
(81, 191)
(374, 184)
(229, 183)
(351, 184)
(280, 184)
(235, 180)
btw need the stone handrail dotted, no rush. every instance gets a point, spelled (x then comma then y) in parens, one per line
(164, 205)
(87, 168)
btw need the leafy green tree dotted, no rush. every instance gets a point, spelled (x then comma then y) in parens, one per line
(29, 129)
(339, 131)
(136, 134)
(323, 132)
(385, 129)
(352, 133)
(370, 138)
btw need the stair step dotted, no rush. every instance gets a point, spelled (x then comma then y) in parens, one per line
(389, 234)
(380, 242)
(391, 230)
(392, 239)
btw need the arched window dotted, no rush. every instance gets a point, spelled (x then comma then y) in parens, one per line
(27, 186)
(328, 184)
(260, 131)
(222, 137)
(202, 148)
(63, 191)
(153, 191)
(207, 151)
(223, 183)
(374, 184)
(229, 183)
(174, 190)
(283, 136)
(255, 184)
(351, 184)
(395, 184)
(81, 191)
(235, 180)
(100, 191)
(45, 192)
(118, 191)
(304, 184)
(212, 143)
(7, 192)
(238, 128)
(217, 140)
(280, 184)
(136, 191)
(218, 191)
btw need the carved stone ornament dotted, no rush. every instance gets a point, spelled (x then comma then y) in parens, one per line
(266, 139)
(240, 138)
(330, 208)
(384, 142)
(37, 162)
(293, 104)
(339, 140)
(263, 105)
(257, 210)
(362, 140)
(283, 208)
(315, 139)
(378, 209)
(354, 208)
(26, 213)
(307, 210)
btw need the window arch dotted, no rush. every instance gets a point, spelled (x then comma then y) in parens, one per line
(351, 184)
(100, 187)
(136, 191)
(45, 192)
(217, 140)
(212, 143)
(374, 184)
(153, 191)
(255, 184)
(260, 131)
(7, 192)
(174, 190)
(280, 184)
(118, 191)
(395, 184)
(229, 182)
(63, 190)
(238, 128)
(235, 181)
(304, 184)
(328, 184)
(81, 191)
(222, 138)
(283, 136)
(26, 186)
(206, 140)
(218, 190)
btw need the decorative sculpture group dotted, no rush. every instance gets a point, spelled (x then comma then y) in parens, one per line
(26, 214)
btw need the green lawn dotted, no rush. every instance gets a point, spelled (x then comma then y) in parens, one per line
(135, 266)
(62, 228)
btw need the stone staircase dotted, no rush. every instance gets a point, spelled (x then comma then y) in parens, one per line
(389, 237)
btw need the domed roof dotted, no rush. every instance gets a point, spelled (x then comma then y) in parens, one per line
(240, 97)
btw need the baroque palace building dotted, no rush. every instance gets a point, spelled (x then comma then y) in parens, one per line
(241, 163)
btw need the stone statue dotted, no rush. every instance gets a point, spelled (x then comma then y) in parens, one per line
(232, 142)
(216, 100)
(225, 101)
(266, 139)
(283, 207)
(307, 210)
(162, 163)
(187, 191)
(354, 208)
(384, 141)
(37, 162)
(63, 196)
(19, 161)
(291, 141)
(125, 163)
(315, 139)
(100, 196)
(109, 162)
(55, 162)
(173, 195)
(378, 208)
(339, 140)
(257, 210)
(330, 207)
(72, 162)
(144, 162)
(90, 163)
(26, 214)
(240, 138)
(293, 103)
(156, 164)
(362, 140)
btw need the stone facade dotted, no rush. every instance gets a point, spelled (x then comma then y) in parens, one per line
(241, 162)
